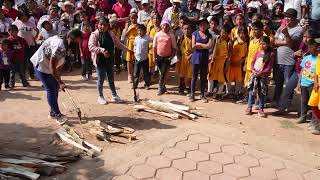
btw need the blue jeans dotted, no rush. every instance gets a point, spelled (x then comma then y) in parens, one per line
(289, 90)
(51, 86)
(105, 69)
(282, 74)
(251, 100)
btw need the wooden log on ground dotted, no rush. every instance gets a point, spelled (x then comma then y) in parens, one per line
(167, 108)
(42, 167)
(198, 113)
(5, 177)
(92, 146)
(146, 109)
(64, 136)
(52, 158)
(125, 128)
(128, 136)
(17, 171)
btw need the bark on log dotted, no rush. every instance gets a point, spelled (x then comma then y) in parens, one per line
(52, 158)
(67, 138)
(17, 171)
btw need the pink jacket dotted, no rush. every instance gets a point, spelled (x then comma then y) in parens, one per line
(94, 45)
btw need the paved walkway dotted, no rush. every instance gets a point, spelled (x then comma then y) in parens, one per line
(199, 157)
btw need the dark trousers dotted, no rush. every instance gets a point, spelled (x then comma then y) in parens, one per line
(201, 68)
(4, 76)
(163, 65)
(19, 67)
(305, 95)
(117, 59)
(30, 51)
(51, 86)
(289, 90)
(105, 69)
(282, 74)
(86, 66)
(144, 65)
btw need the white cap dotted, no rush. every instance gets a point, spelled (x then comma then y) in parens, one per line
(145, 2)
(175, 1)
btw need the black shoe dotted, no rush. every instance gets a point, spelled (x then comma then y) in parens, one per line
(25, 84)
(209, 94)
(7, 86)
(181, 91)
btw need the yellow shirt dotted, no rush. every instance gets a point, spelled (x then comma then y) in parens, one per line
(239, 51)
(220, 51)
(254, 47)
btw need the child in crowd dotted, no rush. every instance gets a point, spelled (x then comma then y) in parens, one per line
(152, 29)
(130, 34)
(144, 13)
(141, 49)
(261, 67)
(314, 101)
(5, 63)
(85, 53)
(201, 43)
(308, 69)
(239, 22)
(184, 53)
(117, 32)
(46, 32)
(216, 65)
(267, 31)
(164, 49)
(214, 26)
(64, 25)
(239, 49)
(254, 47)
(18, 46)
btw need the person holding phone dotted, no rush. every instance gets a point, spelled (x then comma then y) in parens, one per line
(287, 39)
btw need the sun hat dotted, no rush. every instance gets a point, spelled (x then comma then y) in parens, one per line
(67, 3)
(217, 9)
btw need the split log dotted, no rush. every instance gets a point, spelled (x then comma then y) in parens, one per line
(167, 108)
(64, 136)
(52, 158)
(198, 113)
(146, 109)
(104, 136)
(5, 177)
(92, 146)
(125, 128)
(42, 167)
(17, 171)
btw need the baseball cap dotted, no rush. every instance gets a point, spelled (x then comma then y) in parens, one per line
(291, 13)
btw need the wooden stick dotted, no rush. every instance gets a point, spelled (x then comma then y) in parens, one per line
(64, 136)
(128, 136)
(17, 153)
(19, 172)
(169, 115)
(92, 146)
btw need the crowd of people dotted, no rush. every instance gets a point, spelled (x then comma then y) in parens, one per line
(240, 48)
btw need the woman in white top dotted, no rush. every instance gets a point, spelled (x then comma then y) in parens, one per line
(28, 31)
(48, 62)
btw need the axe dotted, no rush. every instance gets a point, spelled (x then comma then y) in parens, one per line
(74, 104)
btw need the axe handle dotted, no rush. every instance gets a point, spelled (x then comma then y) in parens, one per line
(71, 99)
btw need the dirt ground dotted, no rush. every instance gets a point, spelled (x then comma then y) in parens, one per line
(24, 126)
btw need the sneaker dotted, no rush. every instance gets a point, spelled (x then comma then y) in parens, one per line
(248, 111)
(116, 99)
(7, 86)
(84, 78)
(302, 119)
(191, 99)
(261, 113)
(61, 119)
(25, 84)
(315, 130)
(101, 100)
(280, 112)
(204, 99)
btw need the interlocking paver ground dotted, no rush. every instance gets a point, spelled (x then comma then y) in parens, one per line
(199, 158)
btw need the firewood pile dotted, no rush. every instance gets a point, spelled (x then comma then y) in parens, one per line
(170, 110)
(16, 165)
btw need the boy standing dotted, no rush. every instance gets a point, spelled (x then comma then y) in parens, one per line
(18, 45)
(308, 65)
(141, 50)
(5, 63)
